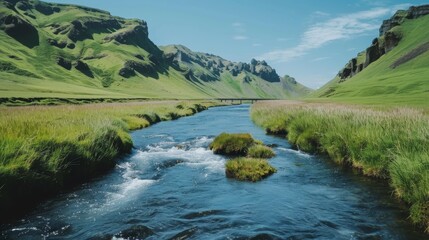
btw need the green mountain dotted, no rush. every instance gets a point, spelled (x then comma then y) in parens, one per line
(393, 70)
(67, 51)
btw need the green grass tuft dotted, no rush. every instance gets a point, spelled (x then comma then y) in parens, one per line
(232, 144)
(248, 169)
(260, 151)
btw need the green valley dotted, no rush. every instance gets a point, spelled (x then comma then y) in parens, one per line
(66, 51)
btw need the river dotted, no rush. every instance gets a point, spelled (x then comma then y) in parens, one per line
(173, 187)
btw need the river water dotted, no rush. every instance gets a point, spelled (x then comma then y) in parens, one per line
(172, 187)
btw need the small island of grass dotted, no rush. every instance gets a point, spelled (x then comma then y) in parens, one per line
(248, 169)
(235, 144)
(250, 163)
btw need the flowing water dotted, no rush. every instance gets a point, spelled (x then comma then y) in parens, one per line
(173, 187)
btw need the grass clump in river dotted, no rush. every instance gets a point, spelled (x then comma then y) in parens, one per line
(385, 143)
(234, 144)
(260, 151)
(248, 169)
(251, 163)
(48, 149)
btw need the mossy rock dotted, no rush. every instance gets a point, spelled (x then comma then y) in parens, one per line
(248, 169)
(236, 144)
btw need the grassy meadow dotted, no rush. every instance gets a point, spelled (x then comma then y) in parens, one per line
(389, 143)
(46, 149)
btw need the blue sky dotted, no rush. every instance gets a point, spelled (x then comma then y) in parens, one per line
(310, 40)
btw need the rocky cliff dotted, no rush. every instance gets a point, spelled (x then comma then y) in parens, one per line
(185, 60)
(389, 37)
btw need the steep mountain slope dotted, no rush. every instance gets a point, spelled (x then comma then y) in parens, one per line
(393, 70)
(55, 50)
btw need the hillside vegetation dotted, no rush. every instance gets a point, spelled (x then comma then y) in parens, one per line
(66, 51)
(393, 70)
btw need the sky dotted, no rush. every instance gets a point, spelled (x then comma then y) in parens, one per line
(310, 40)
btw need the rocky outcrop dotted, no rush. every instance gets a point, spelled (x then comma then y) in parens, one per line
(390, 36)
(23, 6)
(64, 63)
(399, 17)
(264, 71)
(394, 21)
(416, 12)
(181, 58)
(131, 67)
(20, 30)
(373, 53)
(83, 68)
(46, 9)
(57, 44)
(83, 28)
(130, 35)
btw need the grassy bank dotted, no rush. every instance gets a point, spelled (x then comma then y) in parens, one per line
(391, 144)
(48, 149)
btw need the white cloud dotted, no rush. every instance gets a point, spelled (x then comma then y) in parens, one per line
(240, 37)
(321, 14)
(237, 24)
(240, 31)
(320, 59)
(338, 28)
(256, 45)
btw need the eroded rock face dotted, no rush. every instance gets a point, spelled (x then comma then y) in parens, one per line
(391, 40)
(372, 53)
(79, 30)
(129, 36)
(20, 30)
(64, 63)
(416, 12)
(83, 68)
(46, 9)
(23, 6)
(394, 21)
(180, 56)
(131, 67)
(57, 44)
(390, 36)
(264, 71)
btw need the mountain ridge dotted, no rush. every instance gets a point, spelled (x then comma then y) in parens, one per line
(47, 48)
